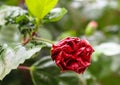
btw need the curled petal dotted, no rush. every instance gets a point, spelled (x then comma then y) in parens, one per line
(72, 54)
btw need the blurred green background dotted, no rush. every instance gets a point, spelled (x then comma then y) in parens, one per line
(105, 37)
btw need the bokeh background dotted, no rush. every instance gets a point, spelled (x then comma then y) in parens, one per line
(103, 34)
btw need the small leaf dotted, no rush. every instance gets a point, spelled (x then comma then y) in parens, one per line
(10, 11)
(40, 8)
(18, 16)
(55, 15)
(45, 72)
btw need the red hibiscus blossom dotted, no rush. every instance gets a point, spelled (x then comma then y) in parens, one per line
(72, 54)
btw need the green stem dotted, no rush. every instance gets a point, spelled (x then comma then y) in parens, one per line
(31, 73)
(82, 80)
(37, 24)
(44, 40)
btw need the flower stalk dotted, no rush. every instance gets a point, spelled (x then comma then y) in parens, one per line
(44, 40)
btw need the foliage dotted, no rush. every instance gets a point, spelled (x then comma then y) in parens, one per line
(45, 72)
(28, 34)
(40, 8)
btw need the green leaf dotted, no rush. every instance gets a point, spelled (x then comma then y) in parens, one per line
(45, 72)
(10, 12)
(55, 15)
(10, 57)
(40, 8)
(19, 17)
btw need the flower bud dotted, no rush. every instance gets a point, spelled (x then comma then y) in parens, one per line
(90, 29)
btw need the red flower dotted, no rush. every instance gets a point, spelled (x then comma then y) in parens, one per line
(72, 54)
